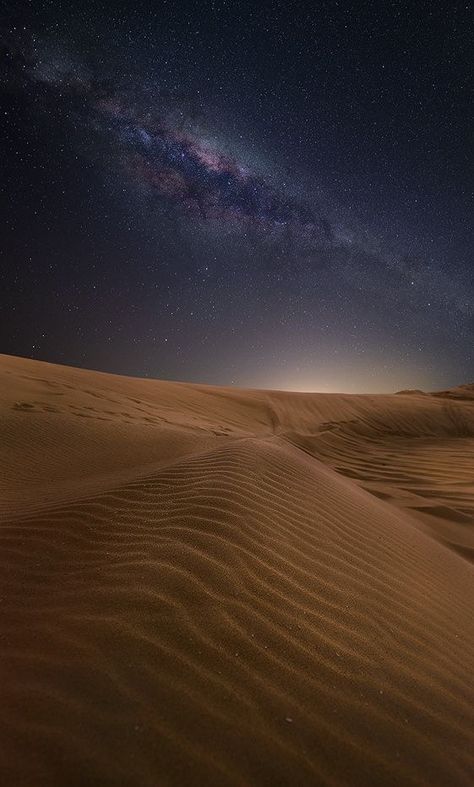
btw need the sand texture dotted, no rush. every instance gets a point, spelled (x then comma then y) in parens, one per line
(212, 586)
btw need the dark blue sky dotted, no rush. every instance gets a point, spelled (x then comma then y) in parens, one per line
(271, 194)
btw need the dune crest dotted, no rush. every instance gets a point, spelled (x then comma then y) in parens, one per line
(214, 586)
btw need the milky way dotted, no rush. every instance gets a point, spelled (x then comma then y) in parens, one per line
(173, 162)
(167, 155)
(225, 188)
(202, 179)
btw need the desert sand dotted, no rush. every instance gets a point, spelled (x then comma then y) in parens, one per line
(214, 586)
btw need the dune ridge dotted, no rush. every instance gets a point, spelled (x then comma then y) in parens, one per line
(214, 586)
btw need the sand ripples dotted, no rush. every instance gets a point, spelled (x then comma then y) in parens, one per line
(209, 586)
(241, 616)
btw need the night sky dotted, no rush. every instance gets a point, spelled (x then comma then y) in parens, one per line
(263, 194)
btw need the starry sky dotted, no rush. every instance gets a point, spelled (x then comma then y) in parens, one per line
(271, 194)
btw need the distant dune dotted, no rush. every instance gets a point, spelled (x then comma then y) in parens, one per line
(461, 392)
(212, 586)
(411, 392)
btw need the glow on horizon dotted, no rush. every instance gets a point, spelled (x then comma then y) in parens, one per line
(349, 380)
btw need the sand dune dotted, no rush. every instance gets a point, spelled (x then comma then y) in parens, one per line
(211, 586)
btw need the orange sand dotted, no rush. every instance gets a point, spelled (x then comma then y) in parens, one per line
(208, 585)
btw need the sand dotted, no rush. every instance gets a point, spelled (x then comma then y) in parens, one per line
(212, 586)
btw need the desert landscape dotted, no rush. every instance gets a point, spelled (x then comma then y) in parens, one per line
(207, 585)
(236, 395)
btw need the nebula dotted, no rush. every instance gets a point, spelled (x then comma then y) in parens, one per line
(183, 168)
(165, 154)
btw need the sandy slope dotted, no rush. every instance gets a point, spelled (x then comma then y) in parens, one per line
(210, 586)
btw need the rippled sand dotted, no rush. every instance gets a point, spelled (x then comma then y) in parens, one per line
(211, 586)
